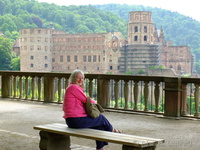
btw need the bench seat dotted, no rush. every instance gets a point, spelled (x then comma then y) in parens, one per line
(57, 136)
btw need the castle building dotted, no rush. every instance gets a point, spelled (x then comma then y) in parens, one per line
(147, 47)
(51, 50)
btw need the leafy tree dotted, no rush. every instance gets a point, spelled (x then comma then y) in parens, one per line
(91, 24)
(14, 35)
(83, 29)
(5, 53)
(15, 64)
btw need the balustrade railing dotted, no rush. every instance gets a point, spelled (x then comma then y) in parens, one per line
(170, 96)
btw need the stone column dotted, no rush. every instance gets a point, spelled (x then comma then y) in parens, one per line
(172, 97)
(6, 85)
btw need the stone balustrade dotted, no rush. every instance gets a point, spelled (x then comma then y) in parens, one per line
(168, 96)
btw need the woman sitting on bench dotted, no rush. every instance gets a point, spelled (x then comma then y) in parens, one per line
(74, 111)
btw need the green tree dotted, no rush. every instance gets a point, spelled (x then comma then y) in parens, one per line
(15, 64)
(5, 53)
(83, 29)
(91, 24)
(15, 35)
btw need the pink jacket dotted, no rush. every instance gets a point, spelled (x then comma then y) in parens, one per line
(74, 100)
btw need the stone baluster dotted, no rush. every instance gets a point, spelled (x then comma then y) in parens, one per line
(146, 95)
(116, 93)
(90, 87)
(184, 100)
(196, 114)
(59, 89)
(39, 88)
(33, 87)
(26, 87)
(20, 87)
(126, 91)
(136, 97)
(107, 82)
(157, 96)
(66, 82)
(14, 86)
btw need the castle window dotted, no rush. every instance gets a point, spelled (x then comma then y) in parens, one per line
(145, 38)
(136, 29)
(99, 58)
(32, 47)
(53, 59)
(31, 65)
(145, 29)
(68, 68)
(84, 58)
(111, 67)
(68, 58)
(84, 68)
(45, 65)
(179, 67)
(94, 58)
(97, 68)
(135, 38)
(75, 58)
(39, 31)
(39, 39)
(61, 58)
(89, 58)
(32, 57)
(39, 47)
(170, 66)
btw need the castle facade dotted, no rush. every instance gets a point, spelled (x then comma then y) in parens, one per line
(51, 50)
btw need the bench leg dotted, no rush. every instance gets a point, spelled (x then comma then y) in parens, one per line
(124, 147)
(52, 141)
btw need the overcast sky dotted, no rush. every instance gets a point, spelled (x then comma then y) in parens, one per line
(189, 8)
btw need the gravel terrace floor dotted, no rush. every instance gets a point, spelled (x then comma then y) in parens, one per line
(17, 119)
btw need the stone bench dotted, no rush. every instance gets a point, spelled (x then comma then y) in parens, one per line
(57, 137)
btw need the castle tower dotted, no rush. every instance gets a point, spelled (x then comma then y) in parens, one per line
(141, 28)
(141, 51)
(35, 50)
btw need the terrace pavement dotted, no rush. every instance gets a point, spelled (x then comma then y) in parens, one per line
(17, 118)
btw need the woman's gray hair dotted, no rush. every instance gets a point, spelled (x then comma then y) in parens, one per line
(73, 75)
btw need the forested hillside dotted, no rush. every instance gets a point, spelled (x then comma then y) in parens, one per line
(17, 14)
